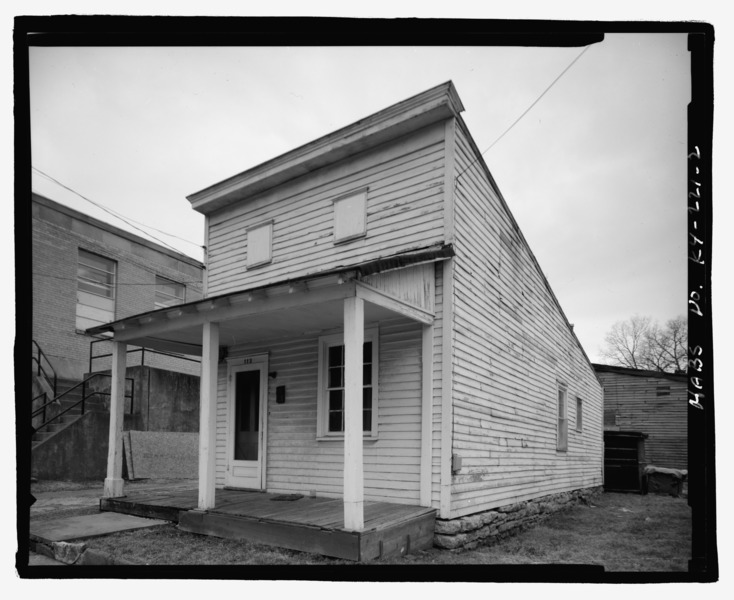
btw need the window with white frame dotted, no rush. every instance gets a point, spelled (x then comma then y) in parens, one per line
(168, 293)
(579, 414)
(260, 244)
(331, 385)
(562, 438)
(350, 217)
(96, 281)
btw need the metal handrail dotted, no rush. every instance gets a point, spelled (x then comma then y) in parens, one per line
(56, 400)
(142, 351)
(41, 395)
(41, 370)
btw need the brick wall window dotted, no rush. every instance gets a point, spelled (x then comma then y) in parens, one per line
(168, 293)
(96, 281)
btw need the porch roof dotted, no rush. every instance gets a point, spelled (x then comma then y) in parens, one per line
(297, 307)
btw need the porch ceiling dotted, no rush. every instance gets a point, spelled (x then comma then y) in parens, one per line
(277, 312)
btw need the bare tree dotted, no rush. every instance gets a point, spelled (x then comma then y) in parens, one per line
(640, 343)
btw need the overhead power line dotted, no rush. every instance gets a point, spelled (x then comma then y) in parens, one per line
(123, 218)
(527, 110)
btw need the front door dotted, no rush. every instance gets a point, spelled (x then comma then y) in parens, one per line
(247, 402)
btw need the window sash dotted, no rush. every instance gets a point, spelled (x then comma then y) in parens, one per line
(96, 275)
(331, 388)
(168, 293)
(335, 363)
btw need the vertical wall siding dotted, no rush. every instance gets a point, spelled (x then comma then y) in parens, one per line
(632, 403)
(404, 211)
(512, 346)
(297, 462)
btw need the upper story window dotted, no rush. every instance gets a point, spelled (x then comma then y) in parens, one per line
(96, 274)
(350, 216)
(260, 244)
(168, 293)
(331, 385)
(95, 297)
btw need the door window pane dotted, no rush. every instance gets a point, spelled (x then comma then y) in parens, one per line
(247, 415)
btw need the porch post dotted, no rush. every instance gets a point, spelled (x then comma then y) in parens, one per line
(426, 416)
(207, 414)
(353, 468)
(113, 484)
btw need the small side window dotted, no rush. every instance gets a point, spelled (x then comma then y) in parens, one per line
(579, 414)
(562, 436)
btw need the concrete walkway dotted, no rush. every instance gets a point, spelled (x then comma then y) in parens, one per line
(86, 526)
(66, 513)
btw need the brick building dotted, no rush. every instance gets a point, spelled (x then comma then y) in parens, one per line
(87, 272)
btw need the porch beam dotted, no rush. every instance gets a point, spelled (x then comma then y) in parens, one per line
(353, 436)
(380, 298)
(207, 414)
(236, 309)
(113, 483)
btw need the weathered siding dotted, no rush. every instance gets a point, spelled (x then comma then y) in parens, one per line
(404, 212)
(296, 462)
(512, 346)
(656, 406)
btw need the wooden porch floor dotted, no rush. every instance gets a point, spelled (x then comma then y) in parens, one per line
(306, 523)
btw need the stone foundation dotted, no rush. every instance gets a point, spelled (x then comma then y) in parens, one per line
(471, 531)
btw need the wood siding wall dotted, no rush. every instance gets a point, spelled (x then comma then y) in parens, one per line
(404, 212)
(652, 405)
(296, 461)
(512, 347)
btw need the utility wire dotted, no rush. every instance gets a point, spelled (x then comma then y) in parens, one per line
(123, 218)
(527, 110)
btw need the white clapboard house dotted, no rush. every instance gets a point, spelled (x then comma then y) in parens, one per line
(376, 337)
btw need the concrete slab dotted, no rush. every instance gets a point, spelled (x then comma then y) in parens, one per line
(74, 528)
(154, 454)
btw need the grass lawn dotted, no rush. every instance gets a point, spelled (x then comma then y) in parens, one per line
(622, 532)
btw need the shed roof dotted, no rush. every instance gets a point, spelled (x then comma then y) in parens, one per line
(638, 372)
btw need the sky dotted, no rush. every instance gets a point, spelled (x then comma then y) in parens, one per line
(594, 173)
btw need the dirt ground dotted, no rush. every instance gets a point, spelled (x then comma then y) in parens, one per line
(621, 532)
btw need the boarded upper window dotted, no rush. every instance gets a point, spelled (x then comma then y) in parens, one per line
(260, 244)
(350, 216)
